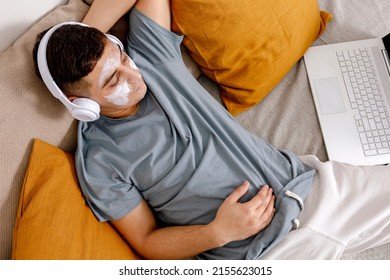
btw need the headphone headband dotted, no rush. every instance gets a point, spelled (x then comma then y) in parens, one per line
(42, 60)
(83, 109)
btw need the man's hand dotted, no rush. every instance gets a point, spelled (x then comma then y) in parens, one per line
(238, 221)
(234, 221)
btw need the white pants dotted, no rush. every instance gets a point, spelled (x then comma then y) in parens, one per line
(346, 212)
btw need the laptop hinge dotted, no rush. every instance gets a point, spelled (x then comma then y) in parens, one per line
(385, 52)
(387, 60)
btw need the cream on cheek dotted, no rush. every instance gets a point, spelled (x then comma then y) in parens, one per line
(120, 95)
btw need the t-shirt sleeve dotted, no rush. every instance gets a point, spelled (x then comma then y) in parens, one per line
(150, 40)
(109, 196)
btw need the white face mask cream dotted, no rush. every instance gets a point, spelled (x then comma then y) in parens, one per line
(132, 65)
(112, 63)
(120, 95)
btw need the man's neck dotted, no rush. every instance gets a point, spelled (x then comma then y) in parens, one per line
(119, 114)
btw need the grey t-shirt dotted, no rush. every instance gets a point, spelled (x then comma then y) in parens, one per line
(183, 153)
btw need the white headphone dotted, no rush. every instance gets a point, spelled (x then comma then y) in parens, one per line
(82, 109)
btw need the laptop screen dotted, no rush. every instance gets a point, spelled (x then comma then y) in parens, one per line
(386, 41)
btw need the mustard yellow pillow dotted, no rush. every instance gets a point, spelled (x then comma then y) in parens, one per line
(247, 46)
(53, 220)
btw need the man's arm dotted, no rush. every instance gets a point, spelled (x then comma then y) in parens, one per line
(157, 10)
(234, 221)
(103, 14)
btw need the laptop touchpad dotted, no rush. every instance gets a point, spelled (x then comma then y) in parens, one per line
(329, 96)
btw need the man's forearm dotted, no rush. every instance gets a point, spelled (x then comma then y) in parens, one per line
(140, 230)
(234, 221)
(181, 242)
(103, 14)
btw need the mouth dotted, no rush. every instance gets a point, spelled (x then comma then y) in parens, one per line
(135, 85)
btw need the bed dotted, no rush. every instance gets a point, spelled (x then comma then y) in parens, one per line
(42, 212)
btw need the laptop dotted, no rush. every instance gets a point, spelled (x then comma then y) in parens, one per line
(350, 83)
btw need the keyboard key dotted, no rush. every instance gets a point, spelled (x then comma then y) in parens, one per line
(383, 151)
(366, 124)
(370, 153)
(385, 123)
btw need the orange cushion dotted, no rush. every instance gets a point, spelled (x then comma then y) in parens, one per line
(53, 220)
(247, 46)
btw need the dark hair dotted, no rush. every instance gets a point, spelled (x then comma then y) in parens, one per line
(72, 53)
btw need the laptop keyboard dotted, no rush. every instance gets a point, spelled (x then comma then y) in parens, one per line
(366, 100)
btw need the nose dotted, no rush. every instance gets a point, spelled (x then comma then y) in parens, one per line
(132, 76)
(131, 72)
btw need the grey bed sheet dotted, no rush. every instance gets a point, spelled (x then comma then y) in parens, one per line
(286, 117)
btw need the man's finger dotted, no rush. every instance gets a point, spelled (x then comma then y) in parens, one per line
(263, 196)
(238, 192)
(267, 208)
(269, 219)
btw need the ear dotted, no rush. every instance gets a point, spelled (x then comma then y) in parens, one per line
(72, 98)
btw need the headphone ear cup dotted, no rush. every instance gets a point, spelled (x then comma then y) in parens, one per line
(85, 109)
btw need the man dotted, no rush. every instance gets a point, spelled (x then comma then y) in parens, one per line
(163, 160)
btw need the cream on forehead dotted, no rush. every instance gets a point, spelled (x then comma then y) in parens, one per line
(111, 64)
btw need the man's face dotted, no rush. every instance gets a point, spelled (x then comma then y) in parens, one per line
(116, 83)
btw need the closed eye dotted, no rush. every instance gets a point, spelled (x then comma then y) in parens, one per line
(115, 79)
